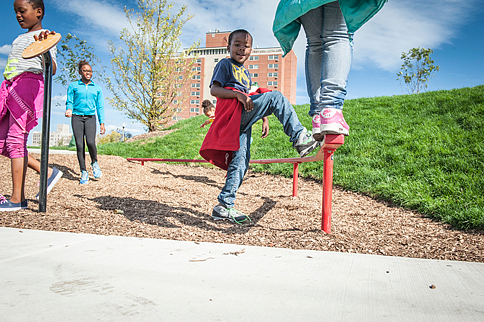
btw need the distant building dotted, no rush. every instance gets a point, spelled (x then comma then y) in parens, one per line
(61, 137)
(267, 68)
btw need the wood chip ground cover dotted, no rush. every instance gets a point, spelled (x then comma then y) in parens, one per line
(169, 201)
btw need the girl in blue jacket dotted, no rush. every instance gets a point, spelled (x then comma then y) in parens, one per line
(85, 100)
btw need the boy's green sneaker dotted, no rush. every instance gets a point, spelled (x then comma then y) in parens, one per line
(220, 212)
(305, 143)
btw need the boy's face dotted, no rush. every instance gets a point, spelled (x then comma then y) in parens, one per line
(240, 47)
(27, 16)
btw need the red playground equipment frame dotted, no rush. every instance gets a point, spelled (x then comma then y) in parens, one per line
(326, 153)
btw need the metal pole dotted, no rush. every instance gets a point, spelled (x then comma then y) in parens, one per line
(295, 176)
(327, 190)
(44, 153)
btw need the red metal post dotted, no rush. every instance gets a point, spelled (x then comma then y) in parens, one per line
(327, 190)
(295, 176)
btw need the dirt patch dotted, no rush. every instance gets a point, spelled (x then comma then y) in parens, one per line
(160, 200)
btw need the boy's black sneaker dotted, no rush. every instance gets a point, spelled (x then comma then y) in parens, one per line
(305, 143)
(220, 212)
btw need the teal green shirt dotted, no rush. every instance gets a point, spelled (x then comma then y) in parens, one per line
(286, 25)
(85, 99)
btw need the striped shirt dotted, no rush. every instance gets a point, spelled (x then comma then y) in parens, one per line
(16, 65)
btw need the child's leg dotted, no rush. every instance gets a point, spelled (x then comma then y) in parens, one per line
(328, 57)
(13, 144)
(273, 103)
(19, 170)
(34, 164)
(90, 132)
(78, 130)
(237, 169)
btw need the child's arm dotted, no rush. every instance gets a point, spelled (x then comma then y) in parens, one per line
(69, 101)
(265, 127)
(205, 123)
(43, 35)
(218, 91)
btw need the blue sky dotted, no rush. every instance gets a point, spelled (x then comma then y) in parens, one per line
(452, 28)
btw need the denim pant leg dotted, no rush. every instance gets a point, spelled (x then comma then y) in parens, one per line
(273, 103)
(264, 105)
(236, 171)
(328, 56)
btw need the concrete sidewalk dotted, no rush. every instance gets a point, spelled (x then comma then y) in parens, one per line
(54, 276)
(52, 151)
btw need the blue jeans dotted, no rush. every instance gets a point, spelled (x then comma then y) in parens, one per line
(264, 105)
(329, 53)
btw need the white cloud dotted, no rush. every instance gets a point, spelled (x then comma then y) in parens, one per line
(3, 63)
(5, 49)
(59, 99)
(406, 24)
(252, 15)
(398, 27)
(96, 14)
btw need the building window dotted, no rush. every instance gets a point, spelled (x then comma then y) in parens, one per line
(197, 85)
(273, 65)
(199, 60)
(254, 58)
(180, 77)
(214, 102)
(272, 83)
(194, 101)
(197, 69)
(215, 60)
(196, 77)
(179, 93)
(194, 110)
(176, 118)
(179, 69)
(195, 94)
(254, 75)
(273, 57)
(177, 110)
(253, 66)
(272, 75)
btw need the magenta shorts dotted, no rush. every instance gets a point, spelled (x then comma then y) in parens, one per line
(21, 102)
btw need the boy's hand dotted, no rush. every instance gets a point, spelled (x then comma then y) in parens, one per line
(43, 35)
(265, 127)
(68, 113)
(246, 101)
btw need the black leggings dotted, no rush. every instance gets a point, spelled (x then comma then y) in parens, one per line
(85, 126)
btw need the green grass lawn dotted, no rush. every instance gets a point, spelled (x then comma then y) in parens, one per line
(423, 152)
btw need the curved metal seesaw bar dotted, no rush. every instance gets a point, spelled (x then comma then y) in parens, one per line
(326, 153)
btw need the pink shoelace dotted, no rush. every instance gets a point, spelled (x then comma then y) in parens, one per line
(2, 199)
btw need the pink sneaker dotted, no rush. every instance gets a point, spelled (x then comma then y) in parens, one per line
(333, 122)
(317, 128)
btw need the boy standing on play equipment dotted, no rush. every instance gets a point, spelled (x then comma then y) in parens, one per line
(227, 143)
(21, 98)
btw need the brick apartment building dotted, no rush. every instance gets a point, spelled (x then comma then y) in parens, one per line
(267, 68)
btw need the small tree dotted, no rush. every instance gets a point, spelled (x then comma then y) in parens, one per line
(72, 50)
(150, 72)
(416, 69)
(109, 138)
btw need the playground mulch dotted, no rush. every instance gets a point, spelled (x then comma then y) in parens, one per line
(170, 201)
